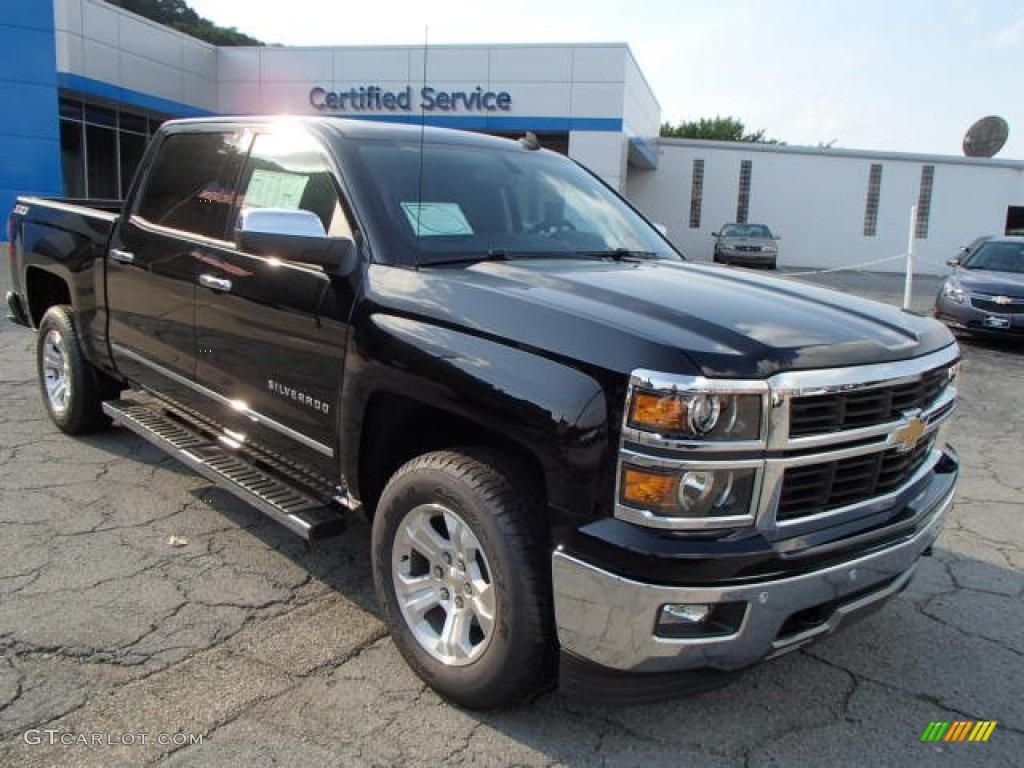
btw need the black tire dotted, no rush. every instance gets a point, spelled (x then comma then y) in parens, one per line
(516, 660)
(59, 357)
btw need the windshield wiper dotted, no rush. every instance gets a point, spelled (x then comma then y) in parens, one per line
(469, 258)
(618, 254)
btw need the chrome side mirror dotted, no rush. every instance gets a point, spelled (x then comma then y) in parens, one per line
(294, 235)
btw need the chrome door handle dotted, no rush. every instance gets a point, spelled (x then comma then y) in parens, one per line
(125, 257)
(216, 283)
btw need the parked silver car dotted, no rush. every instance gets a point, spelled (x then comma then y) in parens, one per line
(985, 293)
(749, 244)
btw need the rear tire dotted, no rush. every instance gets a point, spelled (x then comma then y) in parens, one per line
(72, 389)
(462, 570)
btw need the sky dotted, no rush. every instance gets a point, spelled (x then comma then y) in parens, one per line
(901, 75)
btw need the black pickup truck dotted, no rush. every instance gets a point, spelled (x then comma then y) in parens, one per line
(583, 458)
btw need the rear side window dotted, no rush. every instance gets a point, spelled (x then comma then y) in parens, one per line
(288, 169)
(190, 186)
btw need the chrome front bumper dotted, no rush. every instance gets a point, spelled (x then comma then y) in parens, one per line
(610, 620)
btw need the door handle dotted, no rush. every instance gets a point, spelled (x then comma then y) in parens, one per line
(125, 257)
(216, 283)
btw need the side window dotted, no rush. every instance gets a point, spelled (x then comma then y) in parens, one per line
(191, 183)
(289, 170)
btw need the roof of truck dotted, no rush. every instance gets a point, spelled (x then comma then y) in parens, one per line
(355, 129)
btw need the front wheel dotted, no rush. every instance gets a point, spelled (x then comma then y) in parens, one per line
(462, 572)
(71, 387)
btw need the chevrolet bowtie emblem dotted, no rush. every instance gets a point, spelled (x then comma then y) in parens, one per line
(1002, 300)
(905, 438)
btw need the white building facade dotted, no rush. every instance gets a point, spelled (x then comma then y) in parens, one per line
(833, 208)
(92, 82)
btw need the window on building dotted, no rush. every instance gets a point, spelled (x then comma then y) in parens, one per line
(101, 147)
(743, 197)
(696, 193)
(192, 182)
(873, 198)
(924, 201)
(72, 158)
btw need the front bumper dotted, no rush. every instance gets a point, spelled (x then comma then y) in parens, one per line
(758, 258)
(610, 621)
(971, 319)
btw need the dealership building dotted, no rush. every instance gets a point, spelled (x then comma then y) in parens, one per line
(86, 84)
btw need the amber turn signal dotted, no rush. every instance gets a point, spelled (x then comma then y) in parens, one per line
(649, 489)
(658, 411)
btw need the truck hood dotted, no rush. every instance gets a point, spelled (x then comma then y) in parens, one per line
(660, 315)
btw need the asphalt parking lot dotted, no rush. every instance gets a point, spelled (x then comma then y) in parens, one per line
(270, 650)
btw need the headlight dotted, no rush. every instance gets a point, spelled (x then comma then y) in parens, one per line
(951, 290)
(770, 249)
(697, 415)
(689, 493)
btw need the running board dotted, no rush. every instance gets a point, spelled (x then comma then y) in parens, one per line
(302, 513)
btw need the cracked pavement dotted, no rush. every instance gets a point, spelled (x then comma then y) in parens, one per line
(272, 649)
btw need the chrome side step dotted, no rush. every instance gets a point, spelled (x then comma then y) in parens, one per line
(299, 511)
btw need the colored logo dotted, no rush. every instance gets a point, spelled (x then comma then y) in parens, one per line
(959, 730)
(905, 438)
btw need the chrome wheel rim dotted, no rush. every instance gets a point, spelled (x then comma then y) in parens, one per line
(56, 372)
(443, 584)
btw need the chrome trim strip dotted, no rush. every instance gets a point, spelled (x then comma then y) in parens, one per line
(670, 382)
(92, 213)
(610, 619)
(682, 464)
(833, 380)
(639, 437)
(225, 401)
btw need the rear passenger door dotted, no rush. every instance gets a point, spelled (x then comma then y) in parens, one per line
(179, 222)
(271, 333)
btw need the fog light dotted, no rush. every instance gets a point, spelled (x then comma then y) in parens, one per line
(692, 621)
(684, 613)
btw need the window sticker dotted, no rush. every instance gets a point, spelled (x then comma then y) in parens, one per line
(437, 219)
(275, 189)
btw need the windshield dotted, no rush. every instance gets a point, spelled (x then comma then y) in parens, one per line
(998, 257)
(480, 202)
(746, 230)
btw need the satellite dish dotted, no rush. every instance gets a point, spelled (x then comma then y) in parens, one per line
(986, 137)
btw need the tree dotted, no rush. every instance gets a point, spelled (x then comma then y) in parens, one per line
(715, 129)
(177, 14)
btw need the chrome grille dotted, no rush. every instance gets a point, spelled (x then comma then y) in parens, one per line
(836, 412)
(989, 304)
(817, 488)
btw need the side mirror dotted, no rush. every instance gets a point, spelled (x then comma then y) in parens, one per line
(714, 234)
(954, 262)
(294, 235)
(777, 237)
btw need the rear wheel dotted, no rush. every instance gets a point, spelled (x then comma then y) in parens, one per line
(72, 389)
(462, 571)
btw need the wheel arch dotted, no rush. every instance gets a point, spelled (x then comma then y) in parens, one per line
(45, 289)
(429, 388)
